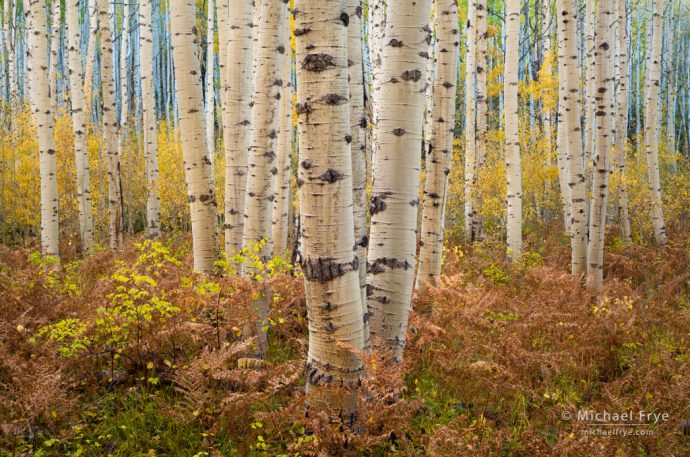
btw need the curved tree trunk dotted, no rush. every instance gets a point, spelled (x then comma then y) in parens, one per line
(395, 190)
(604, 137)
(470, 121)
(513, 168)
(79, 126)
(569, 135)
(202, 198)
(39, 88)
(150, 124)
(622, 119)
(334, 367)
(652, 117)
(358, 131)
(237, 86)
(440, 150)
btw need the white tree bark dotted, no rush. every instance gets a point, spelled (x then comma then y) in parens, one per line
(569, 131)
(39, 88)
(54, 49)
(513, 168)
(150, 124)
(605, 122)
(395, 190)
(110, 126)
(652, 119)
(124, 69)
(202, 198)
(440, 150)
(237, 87)
(377, 33)
(622, 118)
(330, 265)
(470, 121)
(210, 87)
(79, 126)
(482, 67)
(10, 43)
(91, 53)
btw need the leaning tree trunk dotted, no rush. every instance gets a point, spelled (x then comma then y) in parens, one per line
(330, 265)
(652, 117)
(569, 136)
(470, 121)
(150, 125)
(210, 86)
(202, 198)
(358, 131)
(281, 204)
(440, 150)
(110, 126)
(513, 169)
(395, 190)
(604, 138)
(622, 119)
(79, 126)
(237, 87)
(39, 88)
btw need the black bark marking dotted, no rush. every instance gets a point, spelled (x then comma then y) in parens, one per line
(331, 176)
(318, 62)
(326, 269)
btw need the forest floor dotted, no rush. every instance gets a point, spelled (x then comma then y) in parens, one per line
(131, 354)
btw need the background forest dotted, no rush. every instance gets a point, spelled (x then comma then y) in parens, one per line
(343, 227)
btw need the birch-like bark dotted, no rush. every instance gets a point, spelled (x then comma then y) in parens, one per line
(395, 190)
(91, 53)
(210, 87)
(569, 135)
(79, 126)
(470, 121)
(358, 131)
(150, 124)
(330, 265)
(10, 42)
(377, 33)
(482, 67)
(39, 88)
(513, 168)
(237, 87)
(440, 150)
(590, 83)
(652, 119)
(124, 69)
(54, 49)
(110, 126)
(546, 37)
(604, 138)
(188, 84)
(622, 118)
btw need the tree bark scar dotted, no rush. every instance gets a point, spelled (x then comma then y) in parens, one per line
(325, 269)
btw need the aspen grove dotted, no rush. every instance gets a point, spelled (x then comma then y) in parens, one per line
(343, 227)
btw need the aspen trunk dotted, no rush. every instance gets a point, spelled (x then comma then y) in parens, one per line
(237, 87)
(202, 198)
(210, 89)
(39, 88)
(622, 119)
(358, 131)
(652, 118)
(150, 125)
(110, 126)
(604, 137)
(10, 34)
(281, 203)
(481, 68)
(334, 367)
(569, 137)
(513, 168)
(91, 53)
(377, 33)
(124, 69)
(54, 49)
(590, 83)
(470, 121)
(395, 190)
(79, 126)
(546, 37)
(440, 150)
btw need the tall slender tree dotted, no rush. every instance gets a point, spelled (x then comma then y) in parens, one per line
(201, 196)
(622, 118)
(127, 8)
(56, 15)
(210, 82)
(395, 189)
(470, 121)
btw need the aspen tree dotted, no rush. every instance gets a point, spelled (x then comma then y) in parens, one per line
(237, 87)
(264, 121)
(546, 37)
(10, 34)
(124, 69)
(330, 265)
(440, 150)
(79, 126)
(202, 198)
(54, 49)
(481, 68)
(513, 169)
(150, 129)
(282, 202)
(569, 135)
(622, 118)
(377, 32)
(652, 117)
(604, 138)
(91, 52)
(590, 82)
(358, 131)
(395, 189)
(39, 88)
(470, 121)
(110, 126)
(210, 79)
